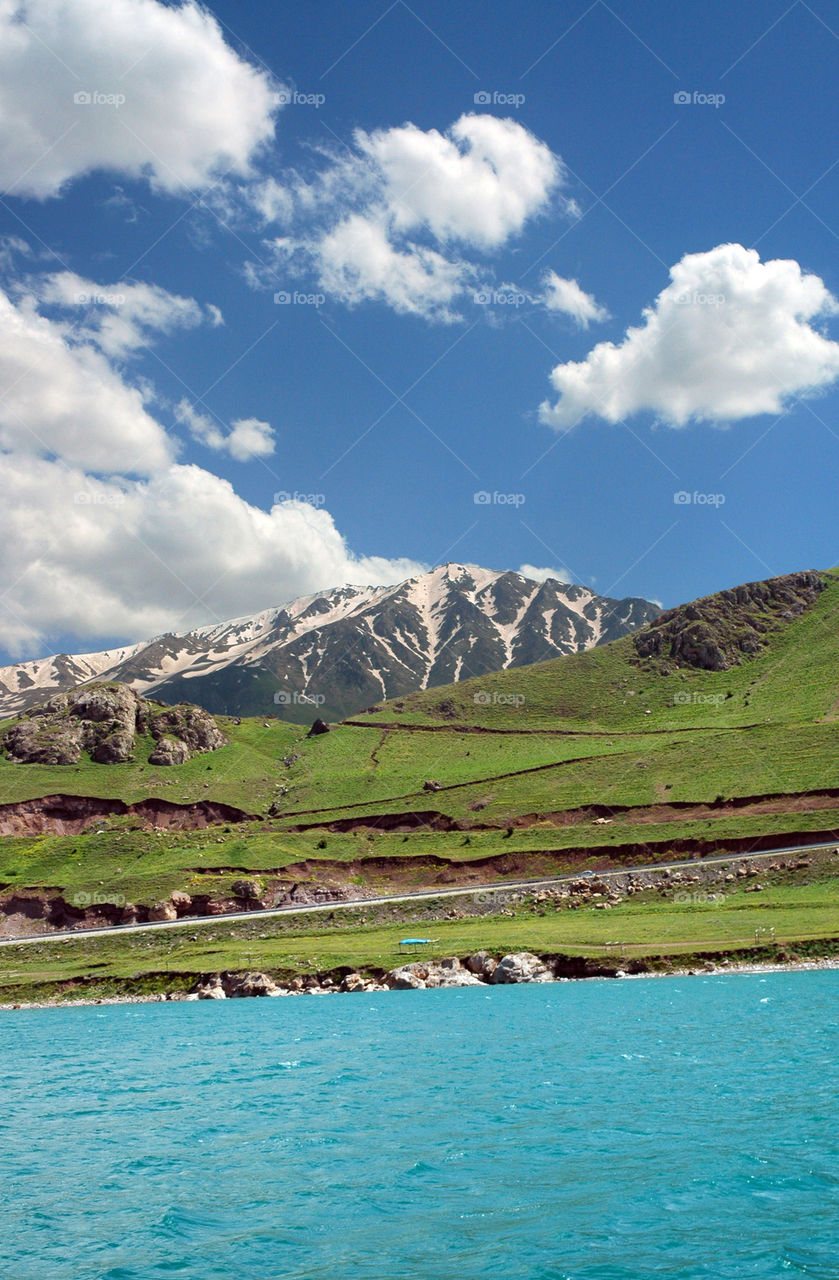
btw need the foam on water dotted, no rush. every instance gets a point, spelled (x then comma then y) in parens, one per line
(682, 1128)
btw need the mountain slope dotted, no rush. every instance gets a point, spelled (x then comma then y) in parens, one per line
(609, 757)
(337, 652)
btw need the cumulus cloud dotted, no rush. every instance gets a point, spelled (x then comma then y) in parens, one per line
(92, 558)
(176, 104)
(541, 575)
(246, 439)
(119, 318)
(730, 337)
(357, 261)
(104, 535)
(477, 184)
(64, 398)
(567, 297)
(400, 218)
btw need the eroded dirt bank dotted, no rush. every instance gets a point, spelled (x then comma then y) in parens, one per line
(63, 815)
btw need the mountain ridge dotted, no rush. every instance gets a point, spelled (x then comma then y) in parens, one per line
(336, 651)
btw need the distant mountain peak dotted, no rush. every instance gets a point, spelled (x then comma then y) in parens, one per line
(337, 651)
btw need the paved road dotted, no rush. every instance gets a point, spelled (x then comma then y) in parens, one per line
(192, 922)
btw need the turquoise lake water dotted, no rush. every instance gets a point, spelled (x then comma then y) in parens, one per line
(595, 1130)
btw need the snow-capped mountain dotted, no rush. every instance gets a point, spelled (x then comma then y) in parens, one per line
(336, 652)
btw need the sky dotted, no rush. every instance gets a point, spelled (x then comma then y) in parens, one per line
(293, 296)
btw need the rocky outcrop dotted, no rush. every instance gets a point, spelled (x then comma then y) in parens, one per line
(522, 966)
(163, 911)
(479, 969)
(182, 732)
(105, 720)
(723, 630)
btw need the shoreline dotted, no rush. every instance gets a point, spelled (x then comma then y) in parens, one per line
(752, 967)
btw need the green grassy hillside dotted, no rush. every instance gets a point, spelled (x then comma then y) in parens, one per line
(582, 760)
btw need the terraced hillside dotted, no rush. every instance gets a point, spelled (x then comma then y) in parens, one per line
(631, 752)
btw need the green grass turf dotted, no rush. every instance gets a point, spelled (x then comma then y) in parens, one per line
(799, 914)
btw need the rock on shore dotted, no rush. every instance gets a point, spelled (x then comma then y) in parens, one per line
(477, 970)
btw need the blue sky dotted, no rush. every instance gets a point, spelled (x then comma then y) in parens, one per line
(180, 447)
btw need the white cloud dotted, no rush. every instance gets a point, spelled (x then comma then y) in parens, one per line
(191, 108)
(92, 551)
(478, 184)
(66, 399)
(247, 438)
(93, 559)
(541, 575)
(121, 317)
(400, 218)
(567, 296)
(357, 261)
(728, 338)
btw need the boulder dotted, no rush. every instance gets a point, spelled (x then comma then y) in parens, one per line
(248, 889)
(249, 984)
(404, 978)
(169, 751)
(482, 964)
(353, 982)
(521, 966)
(211, 990)
(319, 726)
(162, 911)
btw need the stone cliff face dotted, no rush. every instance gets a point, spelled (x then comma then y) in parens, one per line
(722, 630)
(104, 721)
